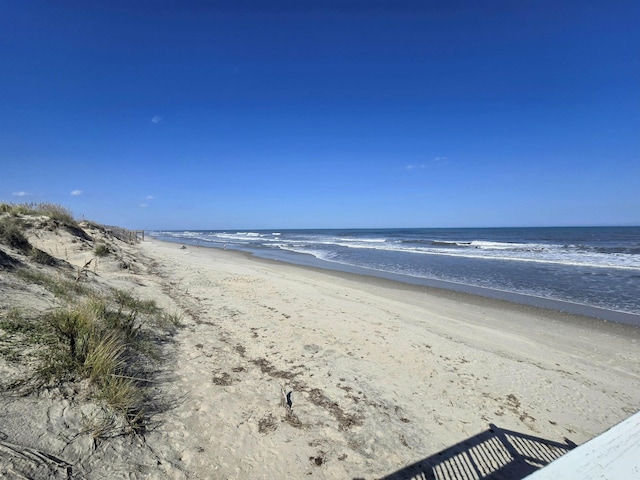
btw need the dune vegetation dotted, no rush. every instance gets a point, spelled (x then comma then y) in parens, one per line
(84, 338)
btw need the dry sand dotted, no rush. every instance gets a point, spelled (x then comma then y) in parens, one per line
(380, 375)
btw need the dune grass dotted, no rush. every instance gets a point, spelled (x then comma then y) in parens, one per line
(106, 342)
(12, 234)
(88, 348)
(102, 339)
(53, 211)
(59, 285)
(101, 250)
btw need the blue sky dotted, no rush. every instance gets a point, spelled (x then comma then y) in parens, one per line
(302, 114)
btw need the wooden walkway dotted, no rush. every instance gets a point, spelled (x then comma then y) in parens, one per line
(613, 455)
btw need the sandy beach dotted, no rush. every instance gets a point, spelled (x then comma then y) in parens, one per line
(282, 371)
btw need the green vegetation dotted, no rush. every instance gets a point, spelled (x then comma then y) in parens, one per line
(170, 320)
(42, 257)
(88, 344)
(19, 334)
(51, 210)
(55, 212)
(16, 209)
(60, 286)
(101, 250)
(57, 215)
(11, 234)
(106, 341)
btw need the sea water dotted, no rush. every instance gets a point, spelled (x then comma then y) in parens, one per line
(588, 270)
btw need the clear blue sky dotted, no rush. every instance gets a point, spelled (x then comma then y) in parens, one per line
(337, 113)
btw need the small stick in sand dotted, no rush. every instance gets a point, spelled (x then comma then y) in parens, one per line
(286, 400)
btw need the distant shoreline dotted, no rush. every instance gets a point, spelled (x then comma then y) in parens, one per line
(456, 290)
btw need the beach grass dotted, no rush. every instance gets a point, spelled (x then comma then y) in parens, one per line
(12, 234)
(102, 250)
(53, 211)
(96, 339)
(42, 257)
(106, 341)
(59, 285)
(170, 319)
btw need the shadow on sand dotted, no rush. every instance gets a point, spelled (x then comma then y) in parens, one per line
(495, 454)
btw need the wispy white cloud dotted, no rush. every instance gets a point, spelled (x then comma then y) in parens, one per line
(147, 198)
(436, 162)
(75, 193)
(156, 119)
(20, 194)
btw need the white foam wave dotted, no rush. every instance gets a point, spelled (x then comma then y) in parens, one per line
(535, 253)
(328, 246)
(359, 240)
(505, 246)
(319, 254)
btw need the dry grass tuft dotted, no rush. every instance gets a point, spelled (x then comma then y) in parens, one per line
(102, 250)
(11, 234)
(102, 339)
(53, 211)
(107, 343)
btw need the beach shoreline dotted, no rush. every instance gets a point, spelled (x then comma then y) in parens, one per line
(571, 309)
(546, 316)
(589, 271)
(286, 371)
(449, 362)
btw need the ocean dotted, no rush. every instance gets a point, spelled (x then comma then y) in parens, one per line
(592, 271)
